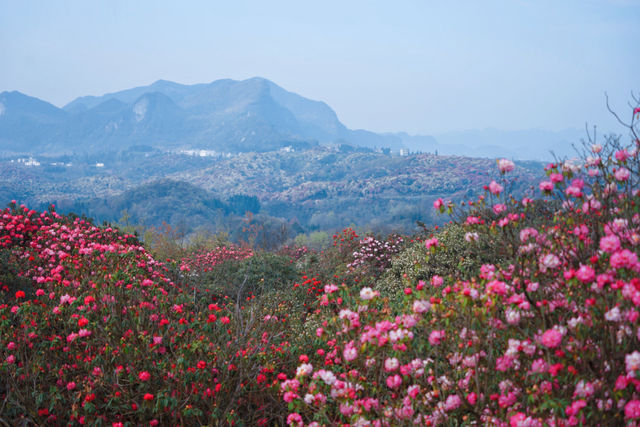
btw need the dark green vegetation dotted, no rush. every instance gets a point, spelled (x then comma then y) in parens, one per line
(302, 191)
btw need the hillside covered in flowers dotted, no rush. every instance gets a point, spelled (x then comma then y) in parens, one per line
(520, 312)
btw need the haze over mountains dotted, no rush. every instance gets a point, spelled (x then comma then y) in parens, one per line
(253, 115)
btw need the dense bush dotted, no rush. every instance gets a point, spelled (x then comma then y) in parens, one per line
(106, 337)
(253, 276)
(454, 257)
(545, 334)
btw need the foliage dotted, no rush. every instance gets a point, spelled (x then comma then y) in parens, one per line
(454, 257)
(250, 277)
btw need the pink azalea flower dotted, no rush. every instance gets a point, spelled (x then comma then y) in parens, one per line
(622, 155)
(585, 274)
(505, 165)
(431, 243)
(610, 243)
(452, 403)
(546, 186)
(350, 352)
(421, 306)
(556, 177)
(438, 204)
(622, 174)
(495, 188)
(391, 364)
(632, 409)
(436, 337)
(551, 338)
(394, 381)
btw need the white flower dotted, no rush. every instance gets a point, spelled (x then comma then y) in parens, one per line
(421, 306)
(613, 315)
(505, 165)
(368, 293)
(471, 237)
(632, 362)
(304, 370)
(513, 316)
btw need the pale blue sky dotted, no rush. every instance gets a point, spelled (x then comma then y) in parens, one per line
(419, 66)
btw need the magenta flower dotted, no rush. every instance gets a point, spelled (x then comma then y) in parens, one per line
(546, 186)
(495, 188)
(436, 337)
(556, 177)
(505, 165)
(610, 243)
(394, 381)
(622, 174)
(632, 409)
(350, 352)
(452, 403)
(551, 338)
(585, 274)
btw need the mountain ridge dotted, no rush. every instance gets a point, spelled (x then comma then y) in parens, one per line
(225, 116)
(231, 116)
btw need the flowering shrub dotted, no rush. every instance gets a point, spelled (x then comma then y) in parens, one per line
(205, 261)
(102, 335)
(250, 277)
(547, 334)
(374, 256)
(452, 256)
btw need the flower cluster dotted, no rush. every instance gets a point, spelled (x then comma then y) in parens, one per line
(547, 334)
(374, 254)
(206, 261)
(98, 333)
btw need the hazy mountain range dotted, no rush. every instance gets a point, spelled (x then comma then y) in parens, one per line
(253, 115)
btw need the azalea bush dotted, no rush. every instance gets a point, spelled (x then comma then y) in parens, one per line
(253, 276)
(547, 333)
(103, 336)
(454, 257)
(373, 256)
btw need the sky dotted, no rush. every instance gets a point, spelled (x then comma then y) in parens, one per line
(418, 66)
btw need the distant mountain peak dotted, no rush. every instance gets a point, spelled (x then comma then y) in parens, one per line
(225, 115)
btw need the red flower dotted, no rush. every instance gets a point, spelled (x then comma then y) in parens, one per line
(144, 376)
(148, 396)
(20, 294)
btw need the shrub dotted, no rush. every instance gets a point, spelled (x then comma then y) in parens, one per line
(253, 276)
(106, 337)
(547, 333)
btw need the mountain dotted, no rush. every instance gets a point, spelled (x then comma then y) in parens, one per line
(223, 116)
(26, 121)
(230, 116)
